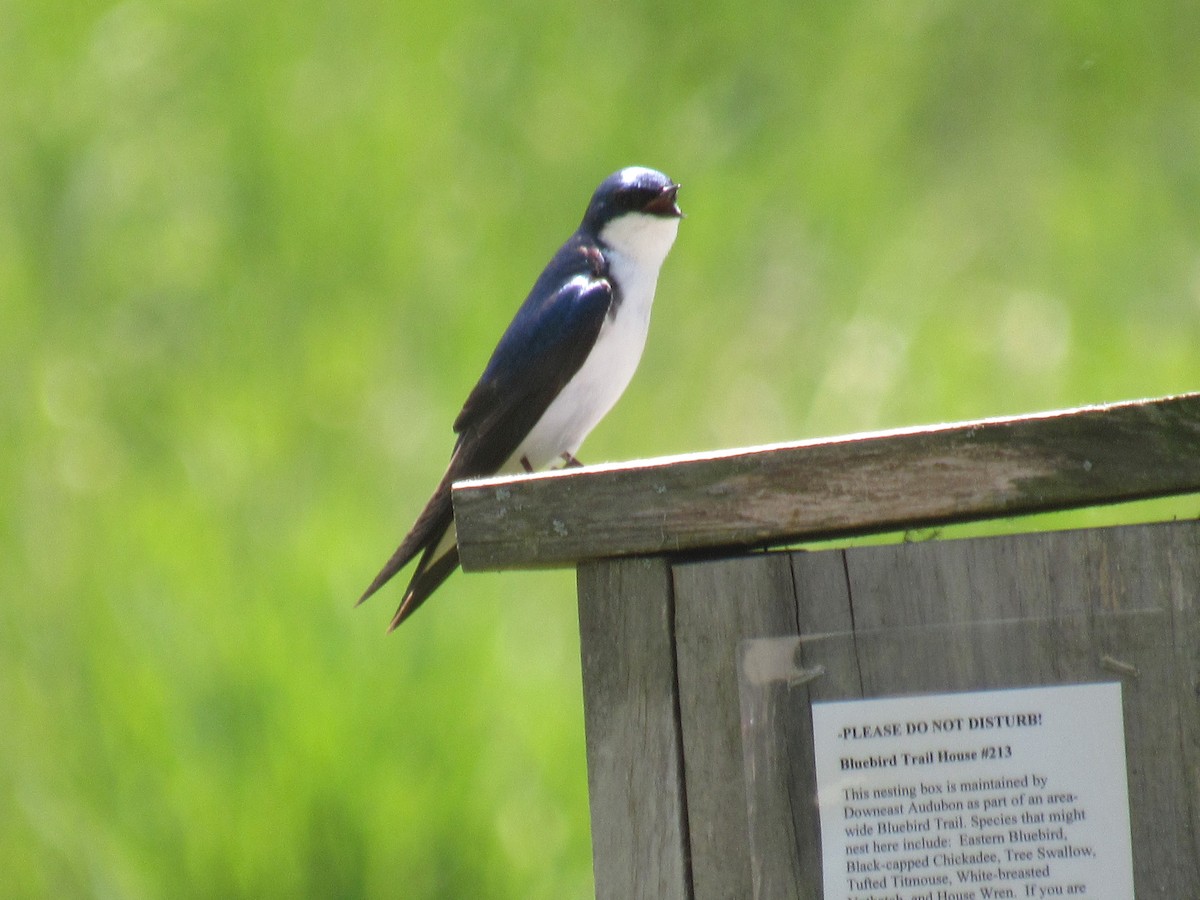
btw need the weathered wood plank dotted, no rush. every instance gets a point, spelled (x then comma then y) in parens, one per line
(635, 781)
(716, 603)
(1179, 546)
(814, 489)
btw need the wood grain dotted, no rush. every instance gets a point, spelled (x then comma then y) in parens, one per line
(635, 779)
(755, 598)
(813, 489)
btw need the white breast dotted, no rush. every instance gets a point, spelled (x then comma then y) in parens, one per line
(637, 245)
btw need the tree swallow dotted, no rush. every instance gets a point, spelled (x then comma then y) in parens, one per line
(565, 359)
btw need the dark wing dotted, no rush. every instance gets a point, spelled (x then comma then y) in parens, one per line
(546, 344)
(543, 348)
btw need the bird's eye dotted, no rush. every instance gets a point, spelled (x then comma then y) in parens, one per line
(635, 197)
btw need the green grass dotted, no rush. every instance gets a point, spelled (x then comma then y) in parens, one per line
(253, 255)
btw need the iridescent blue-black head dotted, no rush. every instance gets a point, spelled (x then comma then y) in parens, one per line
(631, 190)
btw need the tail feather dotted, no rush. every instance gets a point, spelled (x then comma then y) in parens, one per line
(426, 533)
(430, 573)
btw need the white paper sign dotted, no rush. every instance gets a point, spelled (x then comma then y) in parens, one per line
(1014, 793)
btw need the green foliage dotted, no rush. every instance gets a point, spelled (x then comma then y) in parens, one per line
(252, 256)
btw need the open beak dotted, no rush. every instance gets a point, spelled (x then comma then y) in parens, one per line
(664, 204)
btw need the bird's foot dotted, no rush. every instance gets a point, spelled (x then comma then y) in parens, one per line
(525, 464)
(569, 461)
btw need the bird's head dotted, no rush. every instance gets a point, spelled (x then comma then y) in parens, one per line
(634, 211)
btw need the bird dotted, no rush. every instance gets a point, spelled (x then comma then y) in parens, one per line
(560, 366)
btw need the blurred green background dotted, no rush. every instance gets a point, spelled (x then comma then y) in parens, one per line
(254, 254)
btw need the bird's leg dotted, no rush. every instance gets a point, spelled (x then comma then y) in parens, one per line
(525, 464)
(569, 461)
